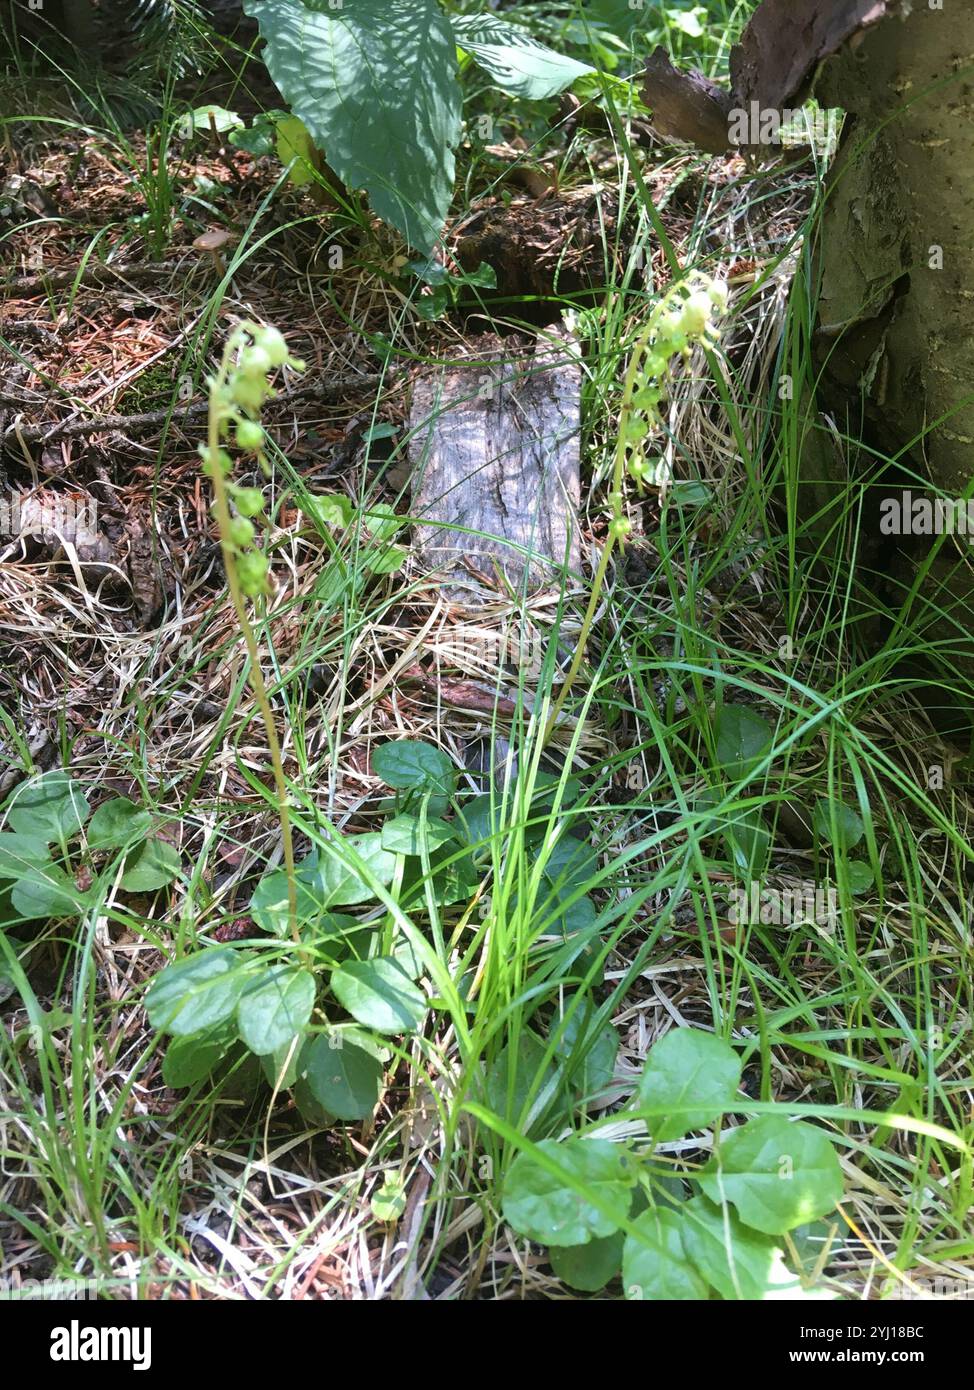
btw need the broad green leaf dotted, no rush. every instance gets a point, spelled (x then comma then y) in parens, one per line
(538, 1205)
(736, 1261)
(688, 1068)
(45, 890)
(152, 866)
(517, 1074)
(117, 823)
(748, 840)
(189, 1060)
(389, 1202)
(379, 994)
(404, 835)
(51, 807)
(200, 119)
(860, 876)
(341, 884)
(848, 829)
(571, 864)
(743, 739)
(281, 1066)
(330, 509)
(778, 1173)
(197, 992)
(21, 853)
(655, 1265)
(296, 148)
(409, 765)
(375, 83)
(275, 1006)
(386, 559)
(588, 1267)
(514, 59)
(592, 1050)
(382, 521)
(343, 1073)
(269, 900)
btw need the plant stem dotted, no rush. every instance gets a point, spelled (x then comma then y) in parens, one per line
(221, 507)
(615, 496)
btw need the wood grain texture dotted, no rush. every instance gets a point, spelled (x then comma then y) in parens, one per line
(495, 451)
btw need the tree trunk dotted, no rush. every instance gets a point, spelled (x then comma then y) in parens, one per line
(895, 339)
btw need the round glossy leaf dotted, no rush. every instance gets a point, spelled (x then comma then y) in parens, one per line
(52, 807)
(738, 1262)
(778, 1173)
(46, 891)
(837, 824)
(274, 1007)
(409, 765)
(688, 1068)
(588, 1268)
(196, 993)
(343, 1074)
(117, 823)
(379, 994)
(21, 853)
(191, 1059)
(743, 739)
(540, 1206)
(655, 1265)
(408, 835)
(590, 1051)
(153, 866)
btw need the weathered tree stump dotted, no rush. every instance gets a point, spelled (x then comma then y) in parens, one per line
(495, 456)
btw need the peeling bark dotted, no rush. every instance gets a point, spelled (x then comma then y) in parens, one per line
(495, 453)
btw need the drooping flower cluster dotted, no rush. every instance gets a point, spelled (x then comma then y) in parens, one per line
(237, 396)
(686, 315)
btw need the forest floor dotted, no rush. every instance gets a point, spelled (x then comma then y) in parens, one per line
(122, 662)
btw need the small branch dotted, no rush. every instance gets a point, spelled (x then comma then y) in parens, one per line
(99, 424)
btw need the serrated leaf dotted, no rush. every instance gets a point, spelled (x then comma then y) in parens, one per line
(655, 1265)
(588, 1268)
(375, 83)
(688, 1068)
(117, 823)
(514, 59)
(343, 1074)
(778, 1173)
(379, 994)
(153, 866)
(539, 1205)
(50, 807)
(743, 739)
(274, 1007)
(196, 993)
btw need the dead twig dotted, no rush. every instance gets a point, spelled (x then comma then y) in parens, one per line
(126, 424)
